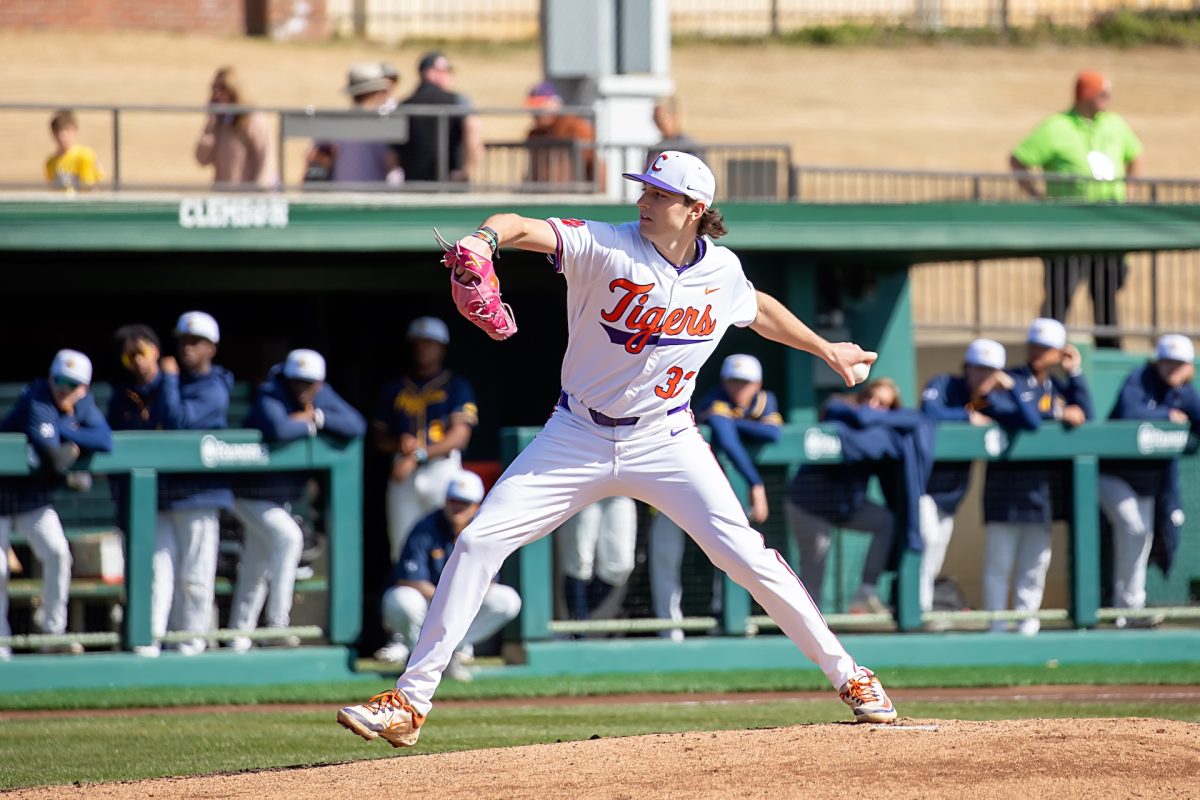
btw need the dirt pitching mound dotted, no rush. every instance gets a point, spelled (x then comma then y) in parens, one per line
(914, 758)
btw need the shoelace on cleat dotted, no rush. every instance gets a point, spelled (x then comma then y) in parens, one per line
(863, 690)
(392, 697)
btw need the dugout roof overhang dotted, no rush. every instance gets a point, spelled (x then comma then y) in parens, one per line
(297, 223)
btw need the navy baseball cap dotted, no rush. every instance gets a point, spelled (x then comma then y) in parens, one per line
(679, 173)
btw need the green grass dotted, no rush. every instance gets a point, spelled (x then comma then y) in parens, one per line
(111, 748)
(487, 687)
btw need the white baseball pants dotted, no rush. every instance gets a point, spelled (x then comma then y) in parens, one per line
(1025, 546)
(937, 527)
(662, 460)
(1132, 519)
(185, 570)
(410, 501)
(267, 571)
(42, 528)
(599, 541)
(405, 609)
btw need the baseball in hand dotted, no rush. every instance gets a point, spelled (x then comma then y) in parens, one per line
(860, 371)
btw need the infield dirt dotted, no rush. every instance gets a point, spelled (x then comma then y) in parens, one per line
(1077, 758)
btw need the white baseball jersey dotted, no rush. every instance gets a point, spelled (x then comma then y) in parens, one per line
(640, 329)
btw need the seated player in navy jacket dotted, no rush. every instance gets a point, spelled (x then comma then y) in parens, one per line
(59, 417)
(741, 414)
(294, 403)
(1140, 498)
(983, 395)
(416, 575)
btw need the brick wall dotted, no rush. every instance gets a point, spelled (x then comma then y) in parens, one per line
(280, 18)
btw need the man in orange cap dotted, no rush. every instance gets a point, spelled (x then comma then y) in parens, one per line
(1099, 148)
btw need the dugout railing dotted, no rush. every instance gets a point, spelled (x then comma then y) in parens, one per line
(142, 458)
(746, 171)
(1080, 450)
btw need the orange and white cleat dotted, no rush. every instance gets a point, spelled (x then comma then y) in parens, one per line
(865, 695)
(389, 716)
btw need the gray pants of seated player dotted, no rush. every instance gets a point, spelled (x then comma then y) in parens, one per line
(814, 535)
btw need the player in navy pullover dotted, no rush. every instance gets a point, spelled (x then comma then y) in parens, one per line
(1140, 498)
(294, 403)
(189, 394)
(61, 421)
(1018, 500)
(983, 395)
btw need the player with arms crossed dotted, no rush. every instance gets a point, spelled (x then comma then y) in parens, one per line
(648, 303)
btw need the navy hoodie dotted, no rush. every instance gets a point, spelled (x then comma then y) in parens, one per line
(945, 400)
(47, 429)
(270, 413)
(1144, 395)
(1021, 491)
(184, 402)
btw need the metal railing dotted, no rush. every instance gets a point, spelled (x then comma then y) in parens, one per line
(745, 171)
(815, 184)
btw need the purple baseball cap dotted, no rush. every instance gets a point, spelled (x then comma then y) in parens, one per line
(679, 173)
(542, 95)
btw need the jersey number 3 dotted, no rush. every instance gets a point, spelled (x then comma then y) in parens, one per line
(675, 377)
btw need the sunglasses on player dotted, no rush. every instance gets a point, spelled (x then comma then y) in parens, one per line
(65, 383)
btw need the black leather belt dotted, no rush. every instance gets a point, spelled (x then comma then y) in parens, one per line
(604, 419)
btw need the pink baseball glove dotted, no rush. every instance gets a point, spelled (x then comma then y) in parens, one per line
(477, 293)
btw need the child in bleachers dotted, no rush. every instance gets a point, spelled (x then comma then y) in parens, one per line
(72, 165)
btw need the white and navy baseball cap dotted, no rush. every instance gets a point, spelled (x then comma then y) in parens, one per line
(304, 365)
(986, 353)
(741, 367)
(72, 365)
(197, 323)
(680, 173)
(465, 487)
(429, 328)
(1048, 333)
(1175, 347)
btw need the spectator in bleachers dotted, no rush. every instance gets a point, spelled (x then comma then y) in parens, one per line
(59, 417)
(561, 146)
(72, 165)
(189, 394)
(464, 148)
(740, 413)
(666, 119)
(416, 574)
(424, 421)
(1019, 502)
(983, 395)
(1141, 498)
(348, 161)
(293, 403)
(392, 76)
(240, 147)
(1097, 145)
(823, 497)
(596, 555)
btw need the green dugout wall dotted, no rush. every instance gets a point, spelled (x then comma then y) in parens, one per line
(346, 274)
